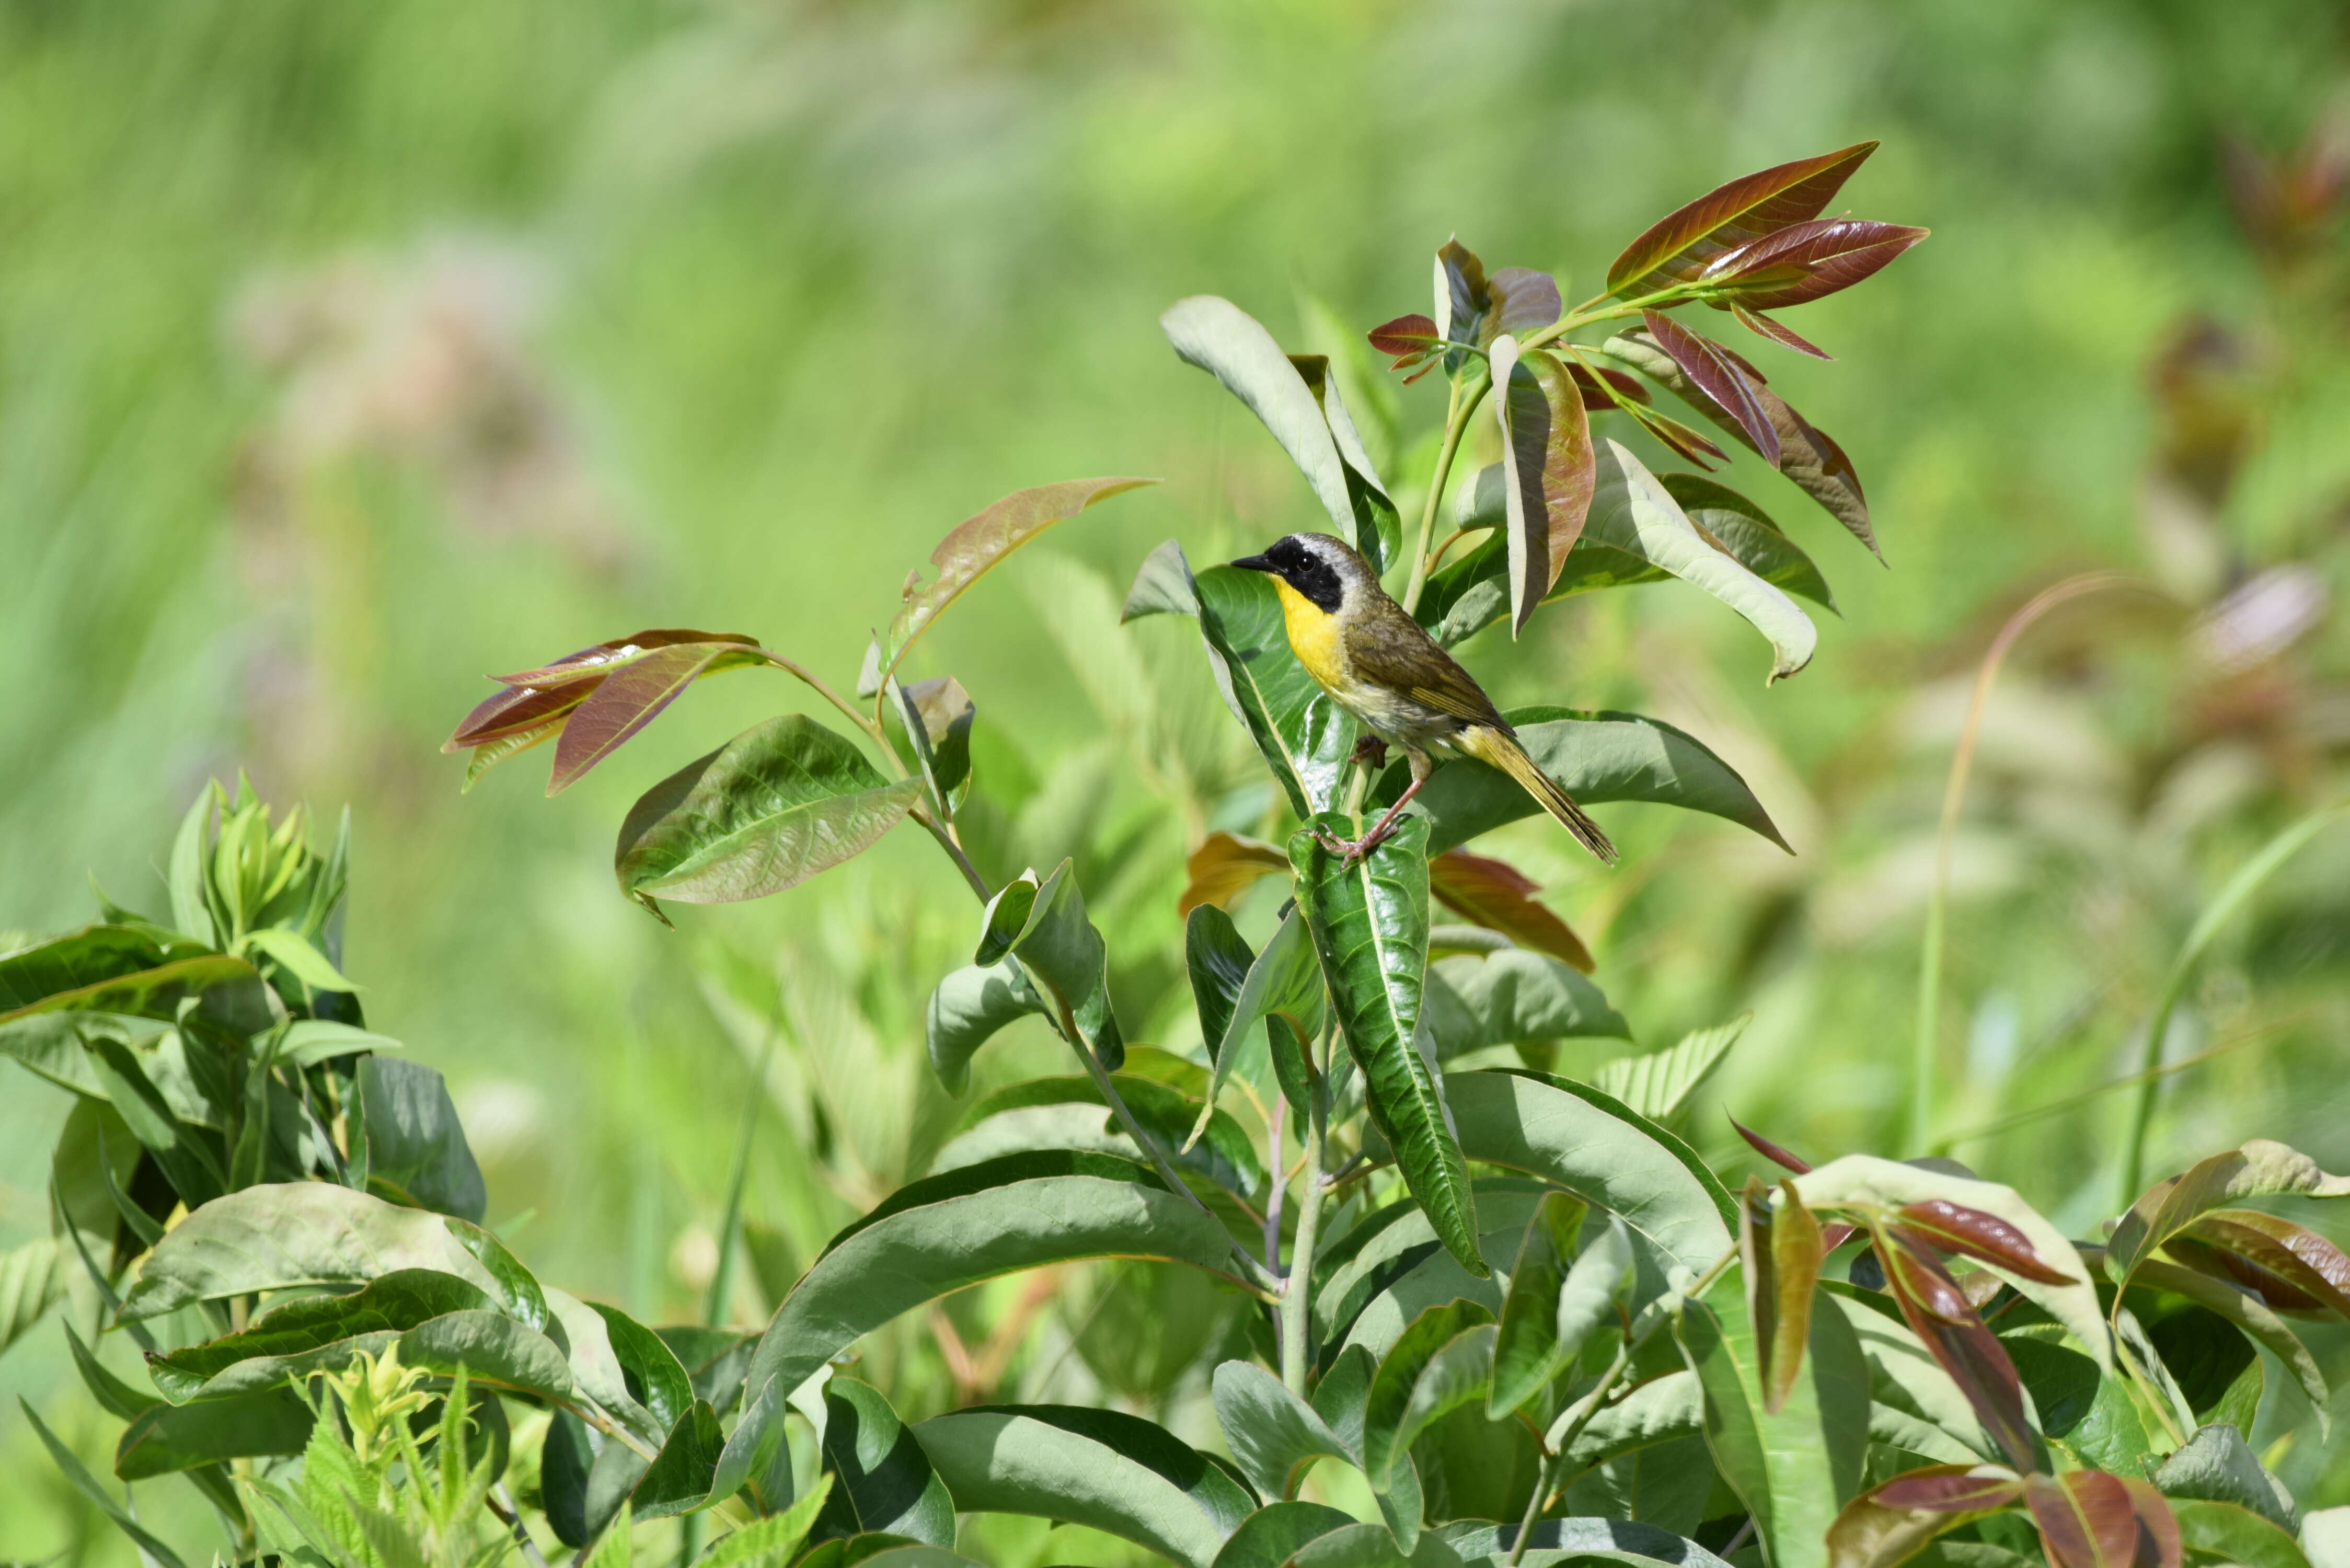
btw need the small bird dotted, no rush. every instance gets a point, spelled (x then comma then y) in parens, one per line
(1374, 659)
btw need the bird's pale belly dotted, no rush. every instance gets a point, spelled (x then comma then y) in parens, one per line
(1394, 718)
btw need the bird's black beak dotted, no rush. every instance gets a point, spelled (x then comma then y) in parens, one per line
(1256, 564)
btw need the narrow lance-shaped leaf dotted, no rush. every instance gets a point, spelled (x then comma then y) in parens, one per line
(1464, 300)
(1225, 866)
(1777, 331)
(1393, 1415)
(2261, 1168)
(2289, 1266)
(1378, 529)
(2088, 1519)
(1369, 919)
(975, 546)
(1547, 468)
(1063, 956)
(1527, 1350)
(1283, 982)
(630, 697)
(882, 1479)
(1780, 1253)
(1490, 893)
(1938, 1314)
(1677, 246)
(1804, 261)
(773, 806)
(1717, 373)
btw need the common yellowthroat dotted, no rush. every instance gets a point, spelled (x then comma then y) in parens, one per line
(1374, 659)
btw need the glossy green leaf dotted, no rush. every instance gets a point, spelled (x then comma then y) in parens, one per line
(2215, 1531)
(395, 1302)
(1368, 919)
(1796, 1468)
(1596, 758)
(1597, 1149)
(938, 715)
(1305, 736)
(1162, 586)
(1065, 960)
(1285, 981)
(1228, 343)
(1111, 1472)
(1865, 1180)
(2255, 1318)
(494, 1350)
(1743, 529)
(1275, 1436)
(111, 968)
(970, 1004)
(1012, 1118)
(1546, 469)
(943, 1233)
(1659, 1086)
(78, 1475)
(773, 806)
(1373, 1546)
(294, 1233)
(1556, 1541)
(2080, 1411)
(1375, 529)
(416, 1152)
(1677, 246)
(167, 1439)
(1218, 961)
(194, 1156)
(1549, 1315)
(1394, 1412)
(975, 546)
(1476, 1001)
(1271, 1536)
(2218, 1466)
(883, 1480)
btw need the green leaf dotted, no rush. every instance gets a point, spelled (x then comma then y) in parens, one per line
(1303, 734)
(2213, 1531)
(78, 1475)
(192, 1156)
(1378, 530)
(1393, 1412)
(1218, 961)
(655, 1379)
(1370, 924)
(292, 951)
(1110, 1473)
(115, 1397)
(2255, 1318)
(1479, 1000)
(1224, 340)
(965, 1012)
(773, 806)
(416, 1152)
(495, 1351)
(394, 1303)
(1547, 470)
(1557, 1298)
(2218, 1466)
(1596, 758)
(1372, 1546)
(1562, 1540)
(309, 1041)
(769, 1542)
(1599, 1149)
(1661, 1410)
(1864, 1181)
(1679, 246)
(1795, 1469)
(1284, 981)
(1659, 1084)
(167, 1439)
(1064, 957)
(1635, 519)
(1271, 1536)
(111, 968)
(1031, 1115)
(191, 912)
(943, 1233)
(2261, 1169)
(975, 546)
(1746, 532)
(938, 715)
(1913, 1403)
(294, 1233)
(1275, 1436)
(1162, 586)
(31, 1280)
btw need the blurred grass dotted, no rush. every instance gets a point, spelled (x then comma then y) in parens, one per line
(346, 353)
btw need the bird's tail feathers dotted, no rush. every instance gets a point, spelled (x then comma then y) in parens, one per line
(1501, 751)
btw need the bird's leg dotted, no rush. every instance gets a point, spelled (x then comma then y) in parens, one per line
(1371, 749)
(1421, 767)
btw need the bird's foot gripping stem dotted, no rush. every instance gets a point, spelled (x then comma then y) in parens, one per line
(1357, 849)
(1372, 750)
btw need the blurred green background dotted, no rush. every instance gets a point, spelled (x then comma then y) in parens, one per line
(350, 352)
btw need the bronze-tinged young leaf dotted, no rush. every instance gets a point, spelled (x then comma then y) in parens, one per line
(768, 810)
(1601, 389)
(2261, 1168)
(1938, 1314)
(1487, 892)
(1895, 1520)
(1410, 338)
(1548, 471)
(1464, 299)
(972, 549)
(1368, 919)
(1677, 246)
(628, 699)
(1804, 261)
(1778, 332)
(2291, 1268)
(1225, 866)
(2088, 1519)
(1524, 300)
(1969, 1232)
(1780, 1253)
(1770, 1151)
(1718, 375)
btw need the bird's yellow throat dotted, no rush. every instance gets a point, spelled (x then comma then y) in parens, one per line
(1314, 637)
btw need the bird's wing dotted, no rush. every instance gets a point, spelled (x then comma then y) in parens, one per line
(1390, 650)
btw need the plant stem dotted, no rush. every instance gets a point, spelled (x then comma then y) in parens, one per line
(944, 833)
(1297, 1290)
(1579, 1415)
(501, 1502)
(2216, 914)
(870, 726)
(1456, 421)
(1279, 1181)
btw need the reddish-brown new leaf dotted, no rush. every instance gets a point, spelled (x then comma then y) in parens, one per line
(1719, 376)
(515, 710)
(1952, 1489)
(2290, 1267)
(1408, 337)
(1778, 332)
(605, 656)
(1548, 466)
(1779, 1252)
(1678, 246)
(1224, 866)
(1770, 1151)
(1525, 301)
(1938, 1312)
(1873, 1532)
(1809, 261)
(2088, 1519)
(1500, 897)
(1620, 386)
(623, 703)
(1969, 1232)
